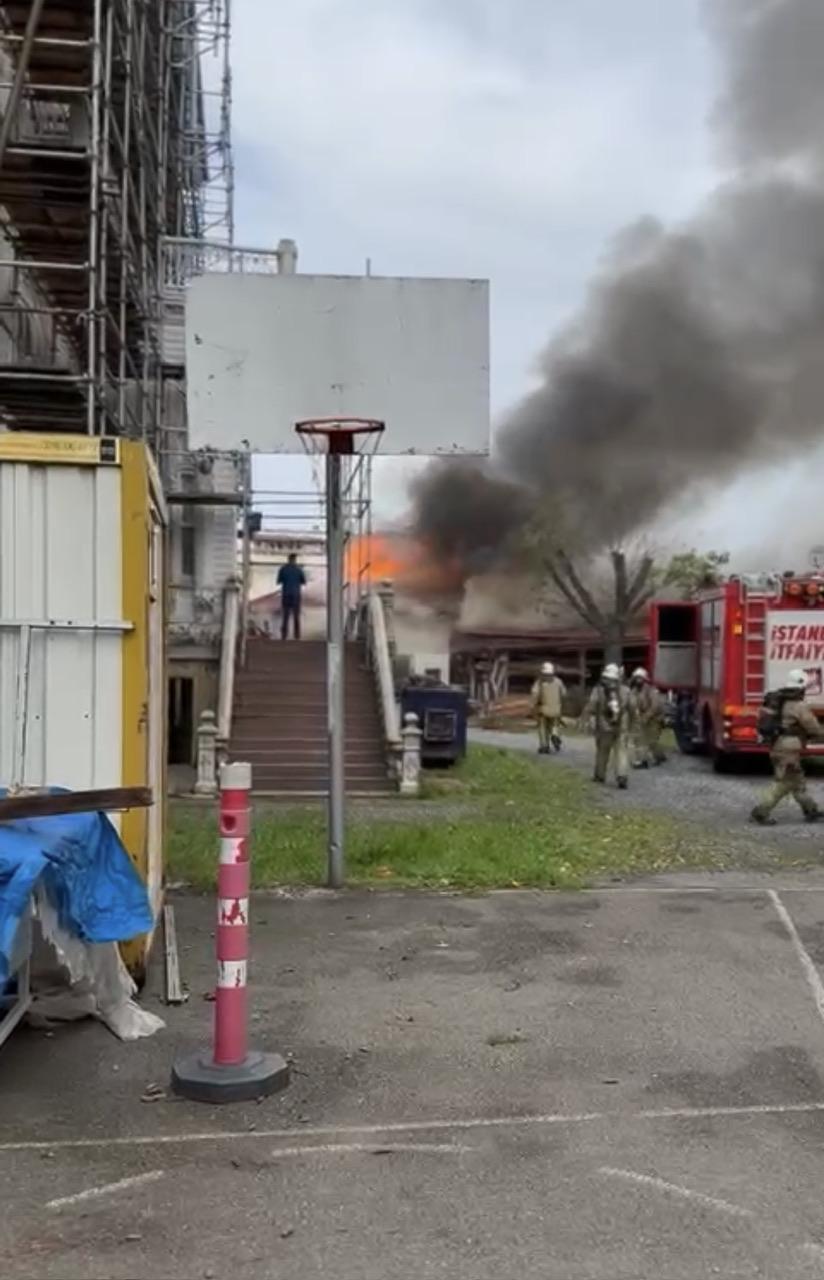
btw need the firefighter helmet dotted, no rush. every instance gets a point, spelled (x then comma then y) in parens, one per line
(548, 669)
(641, 673)
(611, 673)
(796, 680)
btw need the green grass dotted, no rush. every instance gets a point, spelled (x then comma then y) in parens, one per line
(500, 819)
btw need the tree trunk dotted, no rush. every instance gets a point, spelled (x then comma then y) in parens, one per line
(614, 644)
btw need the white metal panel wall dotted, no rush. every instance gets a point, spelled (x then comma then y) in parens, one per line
(61, 558)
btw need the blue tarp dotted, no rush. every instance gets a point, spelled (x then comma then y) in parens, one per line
(86, 872)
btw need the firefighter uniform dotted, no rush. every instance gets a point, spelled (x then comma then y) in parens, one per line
(798, 727)
(609, 711)
(547, 704)
(647, 722)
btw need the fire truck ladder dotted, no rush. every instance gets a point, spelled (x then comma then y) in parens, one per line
(755, 647)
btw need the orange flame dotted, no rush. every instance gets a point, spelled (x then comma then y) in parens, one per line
(403, 560)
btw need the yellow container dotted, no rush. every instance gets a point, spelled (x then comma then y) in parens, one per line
(82, 620)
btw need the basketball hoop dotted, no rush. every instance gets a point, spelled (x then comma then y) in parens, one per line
(340, 437)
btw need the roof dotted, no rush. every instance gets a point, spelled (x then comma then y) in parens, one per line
(555, 639)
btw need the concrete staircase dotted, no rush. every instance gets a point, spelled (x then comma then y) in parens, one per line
(279, 720)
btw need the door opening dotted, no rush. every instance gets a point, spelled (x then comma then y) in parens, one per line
(181, 720)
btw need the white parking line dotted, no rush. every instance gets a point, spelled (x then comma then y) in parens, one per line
(680, 1193)
(107, 1189)
(677, 1192)
(755, 890)
(370, 1148)
(456, 1125)
(805, 960)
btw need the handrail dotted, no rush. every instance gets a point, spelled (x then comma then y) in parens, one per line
(184, 259)
(228, 659)
(378, 642)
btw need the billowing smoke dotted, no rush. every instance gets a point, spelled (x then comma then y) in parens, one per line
(698, 351)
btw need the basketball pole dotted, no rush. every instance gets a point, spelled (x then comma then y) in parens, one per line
(335, 667)
(339, 435)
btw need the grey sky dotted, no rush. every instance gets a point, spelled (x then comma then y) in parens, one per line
(469, 137)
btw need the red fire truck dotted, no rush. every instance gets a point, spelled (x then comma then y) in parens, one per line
(719, 654)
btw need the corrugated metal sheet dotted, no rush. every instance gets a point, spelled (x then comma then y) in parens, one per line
(61, 558)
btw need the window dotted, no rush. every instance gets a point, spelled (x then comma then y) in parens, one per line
(676, 623)
(712, 621)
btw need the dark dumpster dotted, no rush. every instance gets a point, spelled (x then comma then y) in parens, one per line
(442, 714)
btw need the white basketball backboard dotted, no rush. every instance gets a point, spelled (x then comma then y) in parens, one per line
(263, 352)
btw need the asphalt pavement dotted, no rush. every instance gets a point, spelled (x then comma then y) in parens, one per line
(626, 1084)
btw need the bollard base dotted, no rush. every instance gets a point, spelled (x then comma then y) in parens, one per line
(199, 1079)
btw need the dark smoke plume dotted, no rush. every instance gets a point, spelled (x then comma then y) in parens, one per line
(698, 351)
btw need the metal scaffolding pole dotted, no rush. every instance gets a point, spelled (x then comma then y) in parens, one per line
(94, 212)
(23, 59)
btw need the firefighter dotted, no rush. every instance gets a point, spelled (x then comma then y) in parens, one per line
(647, 721)
(796, 725)
(547, 703)
(609, 712)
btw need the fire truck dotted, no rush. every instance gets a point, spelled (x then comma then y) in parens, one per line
(717, 656)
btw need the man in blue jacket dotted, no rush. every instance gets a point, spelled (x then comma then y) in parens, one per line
(291, 580)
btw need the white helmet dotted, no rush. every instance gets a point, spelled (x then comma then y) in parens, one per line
(548, 669)
(640, 673)
(611, 672)
(796, 680)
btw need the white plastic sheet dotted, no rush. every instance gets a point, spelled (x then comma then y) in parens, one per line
(99, 984)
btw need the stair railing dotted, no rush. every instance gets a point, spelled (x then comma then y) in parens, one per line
(228, 663)
(378, 653)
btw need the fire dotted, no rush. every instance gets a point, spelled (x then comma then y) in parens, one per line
(405, 561)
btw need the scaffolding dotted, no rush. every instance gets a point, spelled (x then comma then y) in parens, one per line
(115, 138)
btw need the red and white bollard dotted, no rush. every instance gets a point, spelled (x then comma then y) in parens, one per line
(231, 1072)
(233, 884)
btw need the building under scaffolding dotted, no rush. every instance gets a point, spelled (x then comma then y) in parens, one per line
(116, 189)
(114, 152)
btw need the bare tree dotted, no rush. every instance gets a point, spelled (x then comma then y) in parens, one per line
(632, 589)
(608, 588)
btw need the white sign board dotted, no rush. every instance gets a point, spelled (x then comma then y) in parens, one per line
(796, 640)
(263, 352)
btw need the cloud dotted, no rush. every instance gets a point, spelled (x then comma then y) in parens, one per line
(467, 137)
